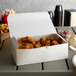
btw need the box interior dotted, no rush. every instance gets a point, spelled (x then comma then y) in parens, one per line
(56, 36)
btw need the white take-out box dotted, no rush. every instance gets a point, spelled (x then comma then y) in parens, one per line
(36, 25)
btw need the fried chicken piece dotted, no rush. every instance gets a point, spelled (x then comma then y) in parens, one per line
(23, 39)
(54, 42)
(50, 38)
(31, 46)
(47, 43)
(26, 46)
(42, 40)
(33, 42)
(37, 44)
(28, 40)
(60, 41)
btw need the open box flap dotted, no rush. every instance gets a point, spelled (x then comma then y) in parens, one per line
(30, 24)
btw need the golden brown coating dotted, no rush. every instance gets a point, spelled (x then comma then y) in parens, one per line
(54, 42)
(26, 43)
(50, 38)
(24, 39)
(37, 44)
(29, 43)
(29, 39)
(42, 40)
(47, 43)
(33, 42)
(26, 46)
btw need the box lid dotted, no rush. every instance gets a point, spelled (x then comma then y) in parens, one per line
(30, 24)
